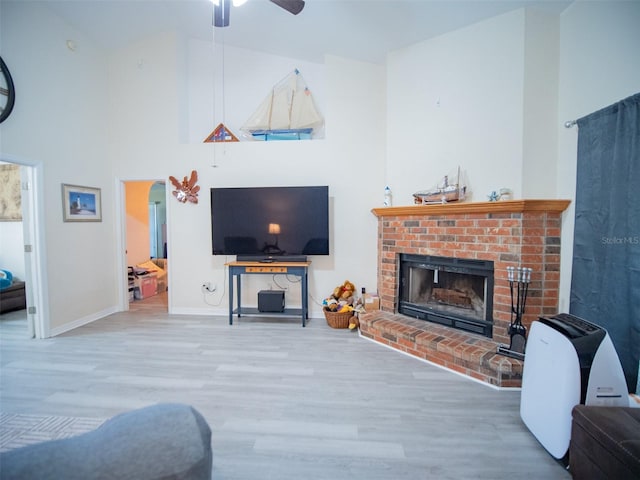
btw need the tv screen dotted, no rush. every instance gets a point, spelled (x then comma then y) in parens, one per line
(270, 223)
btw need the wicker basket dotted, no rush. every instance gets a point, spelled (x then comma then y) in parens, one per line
(338, 319)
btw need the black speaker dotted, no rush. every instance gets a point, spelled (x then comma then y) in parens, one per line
(271, 301)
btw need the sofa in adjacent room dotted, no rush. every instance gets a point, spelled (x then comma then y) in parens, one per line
(12, 293)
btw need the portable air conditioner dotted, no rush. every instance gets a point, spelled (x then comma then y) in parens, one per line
(569, 361)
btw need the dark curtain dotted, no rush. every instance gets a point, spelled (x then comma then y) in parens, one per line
(605, 284)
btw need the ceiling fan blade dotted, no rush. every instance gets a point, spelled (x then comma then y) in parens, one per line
(291, 6)
(221, 14)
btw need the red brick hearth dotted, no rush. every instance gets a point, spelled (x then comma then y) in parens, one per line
(510, 233)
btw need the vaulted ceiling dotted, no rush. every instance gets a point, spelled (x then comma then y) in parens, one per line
(359, 29)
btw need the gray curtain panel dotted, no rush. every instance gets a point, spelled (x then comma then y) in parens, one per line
(605, 284)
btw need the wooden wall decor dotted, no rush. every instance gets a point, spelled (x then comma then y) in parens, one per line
(187, 191)
(221, 134)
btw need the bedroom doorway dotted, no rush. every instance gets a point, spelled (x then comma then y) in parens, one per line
(145, 244)
(22, 248)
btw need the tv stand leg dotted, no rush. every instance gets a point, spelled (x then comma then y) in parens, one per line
(305, 297)
(230, 298)
(239, 293)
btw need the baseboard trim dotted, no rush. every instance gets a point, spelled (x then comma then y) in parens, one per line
(494, 387)
(53, 332)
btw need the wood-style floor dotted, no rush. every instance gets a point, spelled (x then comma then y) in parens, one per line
(283, 402)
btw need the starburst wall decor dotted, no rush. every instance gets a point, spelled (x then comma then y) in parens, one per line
(187, 191)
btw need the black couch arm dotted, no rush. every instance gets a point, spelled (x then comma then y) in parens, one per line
(605, 443)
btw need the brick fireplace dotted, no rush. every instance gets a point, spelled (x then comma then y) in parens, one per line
(508, 233)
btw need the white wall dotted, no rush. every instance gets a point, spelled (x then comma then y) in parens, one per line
(483, 98)
(540, 103)
(457, 100)
(599, 65)
(149, 142)
(59, 121)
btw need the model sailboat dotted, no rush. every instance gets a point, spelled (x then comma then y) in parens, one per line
(445, 192)
(288, 112)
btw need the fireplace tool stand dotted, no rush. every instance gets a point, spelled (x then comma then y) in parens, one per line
(519, 280)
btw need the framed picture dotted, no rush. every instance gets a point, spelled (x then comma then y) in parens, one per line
(81, 204)
(10, 194)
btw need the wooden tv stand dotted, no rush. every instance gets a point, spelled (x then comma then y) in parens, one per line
(299, 269)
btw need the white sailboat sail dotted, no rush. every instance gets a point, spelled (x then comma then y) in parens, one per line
(288, 112)
(280, 108)
(304, 113)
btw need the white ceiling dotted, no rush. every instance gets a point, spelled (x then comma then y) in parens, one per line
(359, 29)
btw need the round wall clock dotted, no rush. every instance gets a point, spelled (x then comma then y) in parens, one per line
(7, 92)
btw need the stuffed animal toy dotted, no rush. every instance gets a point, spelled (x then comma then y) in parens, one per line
(331, 304)
(342, 300)
(344, 292)
(358, 309)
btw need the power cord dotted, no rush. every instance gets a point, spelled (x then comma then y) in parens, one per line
(207, 291)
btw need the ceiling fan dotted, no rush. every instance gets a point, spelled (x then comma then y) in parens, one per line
(221, 9)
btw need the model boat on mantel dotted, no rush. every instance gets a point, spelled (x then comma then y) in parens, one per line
(288, 112)
(445, 192)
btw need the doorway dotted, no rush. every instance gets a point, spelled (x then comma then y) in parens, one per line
(144, 225)
(21, 253)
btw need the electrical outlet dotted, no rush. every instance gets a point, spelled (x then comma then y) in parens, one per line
(207, 286)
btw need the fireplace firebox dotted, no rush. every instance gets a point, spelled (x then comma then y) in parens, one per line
(456, 292)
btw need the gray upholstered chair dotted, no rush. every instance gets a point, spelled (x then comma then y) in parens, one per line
(166, 441)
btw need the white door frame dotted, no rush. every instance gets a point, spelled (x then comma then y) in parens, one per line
(36, 290)
(121, 245)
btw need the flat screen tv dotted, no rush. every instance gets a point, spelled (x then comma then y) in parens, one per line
(270, 223)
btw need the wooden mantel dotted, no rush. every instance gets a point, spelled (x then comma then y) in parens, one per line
(503, 206)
